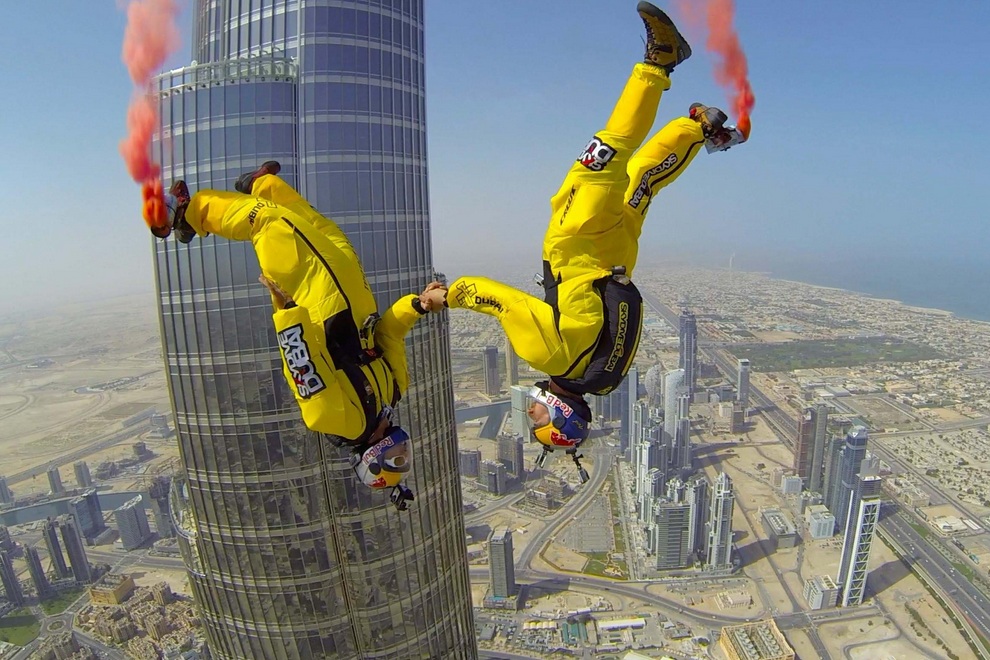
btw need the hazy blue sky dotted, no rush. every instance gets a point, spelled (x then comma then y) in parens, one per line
(868, 136)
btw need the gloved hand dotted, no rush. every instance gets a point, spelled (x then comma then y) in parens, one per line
(711, 118)
(433, 297)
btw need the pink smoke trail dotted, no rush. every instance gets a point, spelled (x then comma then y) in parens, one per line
(150, 37)
(731, 68)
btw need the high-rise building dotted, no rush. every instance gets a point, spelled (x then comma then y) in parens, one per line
(55, 481)
(469, 461)
(646, 459)
(11, 585)
(494, 476)
(860, 528)
(719, 547)
(628, 393)
(37, 572)
(158, 501)
(88, 513)
(830, 478)
(651, 491)
(493, 383)
(687, 357)
(132, 522)
(501, 563)
(669, 536)
(809, 448)
(682, 433)
(607, 408)
(83, 479)
(742, 382)
(511, 363)
(50, 533)
(653, 384)
(288, 556)
(804, 445)
(510, 452)
(519, 400)
(638, 438)
(673, 387)
(853, 455)
(6, 497)
(656, 485)
(816, 476)
(75, 547)
(696, 495)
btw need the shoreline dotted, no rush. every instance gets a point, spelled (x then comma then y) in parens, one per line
(915, 308)
(934, 311)
(921, 309)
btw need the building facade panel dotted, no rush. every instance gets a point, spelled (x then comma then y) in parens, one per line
(288, 556)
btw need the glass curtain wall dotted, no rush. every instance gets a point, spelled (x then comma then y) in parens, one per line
(288, 556)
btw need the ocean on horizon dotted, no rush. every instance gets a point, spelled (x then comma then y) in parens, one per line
(962, 287)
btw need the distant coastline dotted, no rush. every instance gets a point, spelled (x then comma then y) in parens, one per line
(957, 289)
(916, 308)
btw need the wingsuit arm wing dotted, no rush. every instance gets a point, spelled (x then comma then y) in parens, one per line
(529, 323)
(390, 336)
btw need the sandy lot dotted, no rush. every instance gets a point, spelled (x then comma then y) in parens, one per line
(47, 364)
(849, 634)
(947, 415)
(563, 558)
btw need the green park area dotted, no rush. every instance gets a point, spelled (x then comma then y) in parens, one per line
(817, 354)
(58, 604)
(19, 627)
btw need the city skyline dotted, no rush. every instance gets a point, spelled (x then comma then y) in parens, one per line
(740, 307)
(288, 558)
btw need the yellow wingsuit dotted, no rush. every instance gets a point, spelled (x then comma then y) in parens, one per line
(597, 217)
(340, 387)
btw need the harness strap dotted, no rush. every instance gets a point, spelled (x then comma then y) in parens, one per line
(612, 354)
(353, 351)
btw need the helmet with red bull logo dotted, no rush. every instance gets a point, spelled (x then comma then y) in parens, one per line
(384, 464)
(568, 418)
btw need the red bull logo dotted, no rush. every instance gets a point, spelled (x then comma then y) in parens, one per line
(557, 403)
(559, 439)
(372, 454)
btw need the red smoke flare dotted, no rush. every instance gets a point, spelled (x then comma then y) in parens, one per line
(150, 37)
(731, 71)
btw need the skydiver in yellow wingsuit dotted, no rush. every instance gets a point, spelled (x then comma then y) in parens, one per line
(344, 363)
(585, 332)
